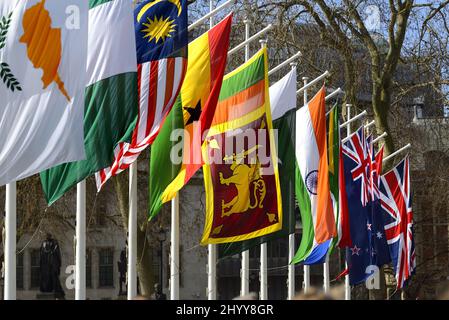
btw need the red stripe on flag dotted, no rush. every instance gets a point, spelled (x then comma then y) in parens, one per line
(128, 153)
(345, 240)
(151, 139)
(218, 47)
(169, 81)
(152, 100)
(343, 274)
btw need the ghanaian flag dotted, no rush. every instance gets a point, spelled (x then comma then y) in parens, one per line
(176, 152)
(243, 198)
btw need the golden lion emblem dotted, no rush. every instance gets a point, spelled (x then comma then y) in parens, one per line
(242, 177)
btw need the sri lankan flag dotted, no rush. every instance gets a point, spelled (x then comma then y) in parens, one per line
(176, 152)
(243, 199)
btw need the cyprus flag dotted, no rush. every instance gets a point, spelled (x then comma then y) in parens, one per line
(43, 54)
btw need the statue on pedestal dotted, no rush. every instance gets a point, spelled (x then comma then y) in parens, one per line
(122, 269)
(50, 265)
(158, 294)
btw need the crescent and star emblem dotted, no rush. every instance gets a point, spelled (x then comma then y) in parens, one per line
(147, 7)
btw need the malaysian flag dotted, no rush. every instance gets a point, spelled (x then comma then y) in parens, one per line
(161, 43)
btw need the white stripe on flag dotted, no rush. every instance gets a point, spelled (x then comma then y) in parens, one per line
(128, 153)
(160, 102)
(144, 101)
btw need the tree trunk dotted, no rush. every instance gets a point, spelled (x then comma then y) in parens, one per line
(381, 106)
(350, 85)
(144, 263)
(381, 293)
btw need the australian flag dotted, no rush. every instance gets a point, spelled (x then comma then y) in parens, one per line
(369, 245)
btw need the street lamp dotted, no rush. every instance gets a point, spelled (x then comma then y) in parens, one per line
(162, 236)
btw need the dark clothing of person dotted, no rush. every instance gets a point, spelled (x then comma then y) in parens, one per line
(122, 268)
(158, 296)
(50, 265)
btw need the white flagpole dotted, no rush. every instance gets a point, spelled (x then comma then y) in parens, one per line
(307, 84)
(80, 251)
(326, 276)
(210, 14)
(132, 229)
(333, 94)
(248, 39)
(174, 254)
(212, 248)
(408, 146)
(286, 62)
(132, 232)
(306, 282)
(383, 135)
(348, 133)
(10, 243)
(245, 254)
(326, 279)
(263, 247)
(291, 247)
(263, 272)
(360, 115)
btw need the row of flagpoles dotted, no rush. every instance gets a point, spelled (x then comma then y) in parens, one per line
(80, 260)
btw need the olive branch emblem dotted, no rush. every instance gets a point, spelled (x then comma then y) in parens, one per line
(5, 70)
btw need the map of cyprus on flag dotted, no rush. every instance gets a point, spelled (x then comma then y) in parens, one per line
(43, 54)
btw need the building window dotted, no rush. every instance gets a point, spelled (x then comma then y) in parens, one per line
(89, 269)
(19, 271)
(35, 269)
(106, 268)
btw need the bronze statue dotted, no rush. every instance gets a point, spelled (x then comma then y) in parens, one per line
(158, 294)
(50, 265)
(122, 269)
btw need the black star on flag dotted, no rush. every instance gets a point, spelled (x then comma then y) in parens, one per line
(195, 113)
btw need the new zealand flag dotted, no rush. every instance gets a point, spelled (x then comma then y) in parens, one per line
(369, 246)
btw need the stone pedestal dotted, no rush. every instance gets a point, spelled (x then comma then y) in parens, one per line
(45, 296)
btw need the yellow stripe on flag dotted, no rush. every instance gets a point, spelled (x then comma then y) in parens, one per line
(331, 142)
(195, 89)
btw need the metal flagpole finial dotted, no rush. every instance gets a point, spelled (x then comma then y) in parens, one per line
(293, 64)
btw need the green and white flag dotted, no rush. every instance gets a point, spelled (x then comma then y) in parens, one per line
(43, 50)
(110, 110)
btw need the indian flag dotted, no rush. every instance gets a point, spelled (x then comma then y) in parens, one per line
(110, 105)
(312, 181)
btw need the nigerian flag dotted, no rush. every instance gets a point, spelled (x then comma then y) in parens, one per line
(283, 105)
(110, 105)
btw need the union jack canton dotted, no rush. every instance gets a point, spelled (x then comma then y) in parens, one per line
(398, 216)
